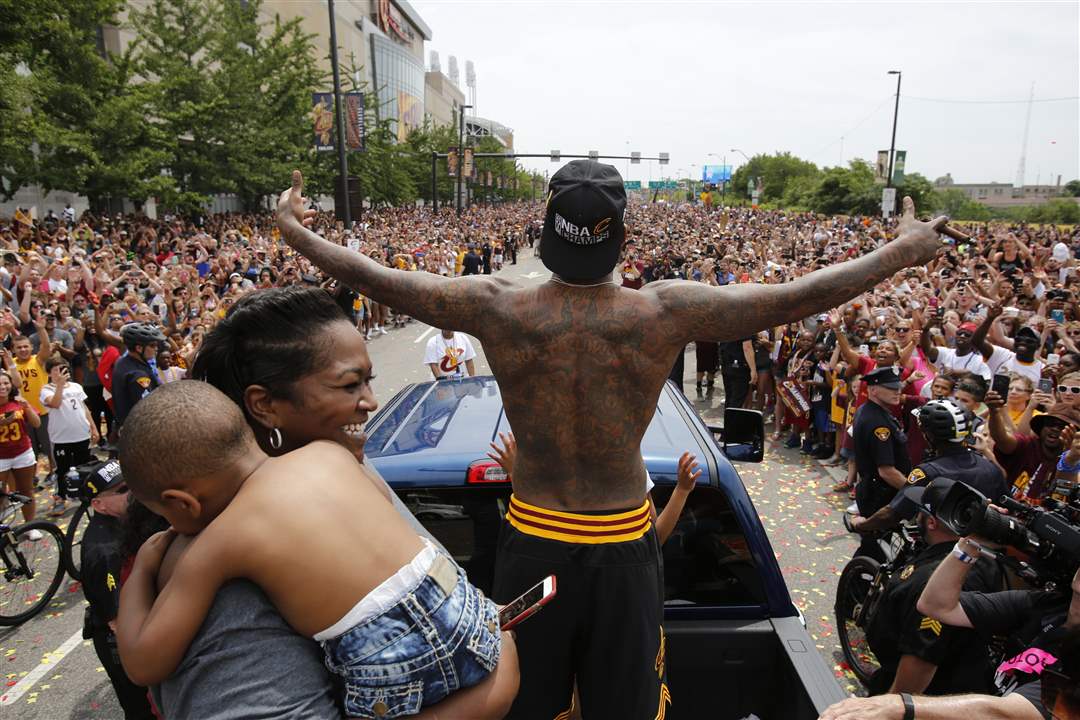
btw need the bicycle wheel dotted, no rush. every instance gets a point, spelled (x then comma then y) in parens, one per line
(33, 570)
(853, 593)
(73, 540)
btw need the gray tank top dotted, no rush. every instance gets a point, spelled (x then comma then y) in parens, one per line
(246, 663)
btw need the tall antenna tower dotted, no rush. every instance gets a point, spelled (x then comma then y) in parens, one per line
(436, 66)
(470, 82)
(454, 71)
(1023, 146)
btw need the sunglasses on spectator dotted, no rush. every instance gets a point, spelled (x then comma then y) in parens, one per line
(1064, 389)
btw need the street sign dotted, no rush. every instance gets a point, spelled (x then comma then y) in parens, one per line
(632, 184)
(635, 158)
(555, 155)
(663, 185)
(663, 158)
(888, 201)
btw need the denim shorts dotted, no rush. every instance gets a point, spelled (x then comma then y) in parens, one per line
(443, 635)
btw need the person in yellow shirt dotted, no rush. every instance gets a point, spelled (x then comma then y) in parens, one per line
(32, 371)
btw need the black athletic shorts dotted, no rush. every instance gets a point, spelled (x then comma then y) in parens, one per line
(604, 627)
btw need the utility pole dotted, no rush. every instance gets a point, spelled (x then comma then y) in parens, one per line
(896, 113)
(461, 153)
(339, 121)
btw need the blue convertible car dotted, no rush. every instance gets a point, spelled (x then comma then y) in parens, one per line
(736, 644)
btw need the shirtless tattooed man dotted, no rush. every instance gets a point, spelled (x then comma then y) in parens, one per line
(581, 363)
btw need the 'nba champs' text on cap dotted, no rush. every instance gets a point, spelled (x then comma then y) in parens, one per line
(583, 223)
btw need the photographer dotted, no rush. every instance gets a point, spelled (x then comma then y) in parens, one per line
(947, 427)
(918, 654)
(1034, 622)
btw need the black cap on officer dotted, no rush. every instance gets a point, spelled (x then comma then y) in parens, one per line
(105, 476)
(886, 377)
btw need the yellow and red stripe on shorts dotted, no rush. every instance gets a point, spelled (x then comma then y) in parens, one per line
(589, 529)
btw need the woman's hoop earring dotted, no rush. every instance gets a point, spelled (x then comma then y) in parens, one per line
(275, 438)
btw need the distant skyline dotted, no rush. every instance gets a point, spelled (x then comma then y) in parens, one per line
(694, 78)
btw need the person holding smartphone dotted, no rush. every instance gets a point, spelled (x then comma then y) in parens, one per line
(71, 427)
(18, 463)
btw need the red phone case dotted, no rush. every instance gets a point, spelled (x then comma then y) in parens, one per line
(535, 608)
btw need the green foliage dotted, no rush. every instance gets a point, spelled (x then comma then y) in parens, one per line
(847, 191)
(920, 189)
(1072, 188)
(956, 204)
(776, 171)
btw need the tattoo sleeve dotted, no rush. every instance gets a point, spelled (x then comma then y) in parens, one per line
(459, 303)
(699, 311)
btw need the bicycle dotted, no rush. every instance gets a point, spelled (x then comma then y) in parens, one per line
(858, 594)
(32, 568)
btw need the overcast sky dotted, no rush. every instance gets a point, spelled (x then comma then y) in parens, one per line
(693, 78)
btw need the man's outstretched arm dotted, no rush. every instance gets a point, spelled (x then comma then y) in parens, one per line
(459, 303)
(699, 311)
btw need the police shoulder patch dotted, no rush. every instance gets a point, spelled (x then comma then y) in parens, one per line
(882, 433)
(916, 476)
(143, 382)
(906, 572)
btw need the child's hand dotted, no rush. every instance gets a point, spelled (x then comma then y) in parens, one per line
(153, 551)
(689, 472)
(505, 455)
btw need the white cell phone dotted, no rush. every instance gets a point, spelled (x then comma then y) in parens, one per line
(1053, 359)
(527, 604)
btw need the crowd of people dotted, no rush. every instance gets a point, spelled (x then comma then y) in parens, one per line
(987, 334)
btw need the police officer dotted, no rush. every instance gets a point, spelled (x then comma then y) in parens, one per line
(134, 377)
(880, 450)
(919, 654)
(947, 427)
(102, 560)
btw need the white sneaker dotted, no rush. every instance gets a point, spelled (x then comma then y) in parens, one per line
(34, 535)
(367, 335)
(853, 508)
(382, 330)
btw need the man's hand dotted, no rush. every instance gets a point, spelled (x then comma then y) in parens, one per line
(290, 208)
(689, 472)
(993, 400)
(880, 707)
(925, 236)
(1071, 439)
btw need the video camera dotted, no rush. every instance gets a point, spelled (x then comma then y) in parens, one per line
(1049, 534)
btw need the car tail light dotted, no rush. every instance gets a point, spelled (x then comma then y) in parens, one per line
(486, 472)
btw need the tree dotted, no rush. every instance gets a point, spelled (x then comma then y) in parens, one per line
(775, 171)
(1072, 188)
(847, 191)
(919, 188)
(956, 204)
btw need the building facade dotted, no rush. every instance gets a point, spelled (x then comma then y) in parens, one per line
(998, 195)
(442, 99)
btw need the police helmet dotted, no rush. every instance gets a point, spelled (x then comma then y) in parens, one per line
(140, 333)
(944, 421)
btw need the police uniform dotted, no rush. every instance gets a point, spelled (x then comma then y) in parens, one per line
(102, 562)
(879, 441)
(898, 628)
(955, 462)
(133, 379)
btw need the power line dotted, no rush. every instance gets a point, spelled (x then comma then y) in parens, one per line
(990, 102)
(858, 125)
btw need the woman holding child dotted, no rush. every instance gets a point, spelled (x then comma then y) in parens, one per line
(299, 372)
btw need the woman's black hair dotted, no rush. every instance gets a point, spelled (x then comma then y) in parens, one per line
(139, 523)
(268, 339)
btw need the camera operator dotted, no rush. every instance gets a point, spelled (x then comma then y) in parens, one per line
(1034, 622)
(1030, 461)
(917, 653)
(947, 427)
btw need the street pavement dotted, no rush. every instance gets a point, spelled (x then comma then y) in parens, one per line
(49, 672)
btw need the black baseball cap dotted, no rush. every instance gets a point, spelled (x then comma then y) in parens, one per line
(583, 224)
(104, 477)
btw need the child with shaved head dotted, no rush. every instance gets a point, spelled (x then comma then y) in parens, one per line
(397, 619)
